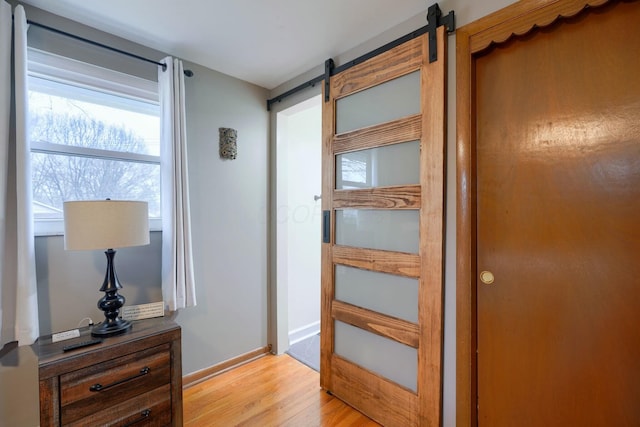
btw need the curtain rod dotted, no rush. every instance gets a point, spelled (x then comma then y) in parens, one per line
(187, 73)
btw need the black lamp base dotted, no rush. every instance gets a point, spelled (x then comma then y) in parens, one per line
(111, 303)
(109, 328)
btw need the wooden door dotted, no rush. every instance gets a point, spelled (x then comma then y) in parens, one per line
(557, 184)
(383, 189)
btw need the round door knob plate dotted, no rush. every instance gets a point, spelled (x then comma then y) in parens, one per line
(487, 277)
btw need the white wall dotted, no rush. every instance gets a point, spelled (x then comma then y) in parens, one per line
(278, 183)
(69, 281)
(298, 215)
(229, 220)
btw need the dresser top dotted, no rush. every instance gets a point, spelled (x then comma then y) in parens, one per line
(50, 353)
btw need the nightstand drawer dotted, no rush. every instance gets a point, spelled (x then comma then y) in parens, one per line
(136, 375)
(86, 391)
(150, 409)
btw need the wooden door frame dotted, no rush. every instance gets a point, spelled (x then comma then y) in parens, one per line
(516, 19)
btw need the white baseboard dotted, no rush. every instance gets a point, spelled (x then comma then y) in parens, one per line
(304, 332)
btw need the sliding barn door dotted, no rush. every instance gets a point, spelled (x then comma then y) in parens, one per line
(382, 275)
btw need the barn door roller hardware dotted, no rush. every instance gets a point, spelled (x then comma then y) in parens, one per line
(328, 71)
(434, 19)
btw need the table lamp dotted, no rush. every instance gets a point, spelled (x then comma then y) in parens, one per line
(106, 224)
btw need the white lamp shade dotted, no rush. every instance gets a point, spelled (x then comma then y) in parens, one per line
(105, 224)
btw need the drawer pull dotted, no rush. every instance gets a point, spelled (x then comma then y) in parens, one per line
(143, 416)
(99, 387)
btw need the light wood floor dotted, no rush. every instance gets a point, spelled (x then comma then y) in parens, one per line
(270, 391)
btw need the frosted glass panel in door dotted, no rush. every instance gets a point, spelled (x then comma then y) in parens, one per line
(383, 103)
(397, 164)
(388, 294)
(390, 230)
(388, 358)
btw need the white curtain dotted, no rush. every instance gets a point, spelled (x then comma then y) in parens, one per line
(18, 293)
(178, 286)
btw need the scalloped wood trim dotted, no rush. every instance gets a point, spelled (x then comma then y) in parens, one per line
(522, 17)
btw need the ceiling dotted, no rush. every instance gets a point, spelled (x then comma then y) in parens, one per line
(266, 42)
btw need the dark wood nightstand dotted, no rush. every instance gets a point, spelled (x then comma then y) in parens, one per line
(133, 378)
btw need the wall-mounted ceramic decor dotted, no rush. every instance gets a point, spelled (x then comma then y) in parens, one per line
(228, 147)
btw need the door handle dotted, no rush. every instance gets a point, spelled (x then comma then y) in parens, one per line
(326, 226)
(316, 198)
(487, 277)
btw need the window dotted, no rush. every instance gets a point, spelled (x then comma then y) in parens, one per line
(354, 170)
(95, 134)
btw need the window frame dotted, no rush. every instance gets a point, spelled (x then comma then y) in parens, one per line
(60, 69)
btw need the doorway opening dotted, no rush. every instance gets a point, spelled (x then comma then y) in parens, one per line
(298, 224)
